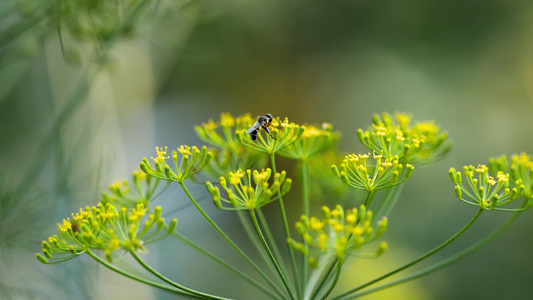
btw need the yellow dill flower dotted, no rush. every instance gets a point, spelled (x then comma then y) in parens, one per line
(249, 189)
(222, 134)
(340, 232)
(377, 174)
(98, 231)
(419, 144)
(192, 161)
(282, 135)
(313, 141)
(485, 189)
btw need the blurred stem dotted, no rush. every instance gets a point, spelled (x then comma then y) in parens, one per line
(306, 204)
(271, 239)
(165, 279)
(388, 202)
(428, 254)
(267, 249)
(224, 264)
(335, 280)
(136, 278)
(229, 241)
(445, 262)
(369, 198)
(78, 97)
(250, 231)
(286, 227)
(324, 279)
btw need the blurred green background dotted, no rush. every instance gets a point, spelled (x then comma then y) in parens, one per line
(465, 64)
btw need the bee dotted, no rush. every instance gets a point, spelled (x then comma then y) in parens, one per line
(262, 122)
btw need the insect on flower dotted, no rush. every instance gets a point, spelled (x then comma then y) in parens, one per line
(262, 122)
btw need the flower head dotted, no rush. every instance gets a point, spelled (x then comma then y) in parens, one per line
(144, 191)
(108, 228)
(192, 161)
(222, 133)
(313, 141)
(339, 232)
(282, 135)
(419, 144)
(380, 173)
(248, 190)
(485, 188)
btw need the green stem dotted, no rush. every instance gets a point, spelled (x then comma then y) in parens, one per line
(270, 238)
(224, 264)
(443, 263)
(267, 249)
(369, 198)
(165, 279)
(430, 253)
(335, 280)
(324, 279)
(306, 203)
(139, 279)
(229, 241)
(286, 227)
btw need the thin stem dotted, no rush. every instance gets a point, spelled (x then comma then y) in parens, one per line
(267, 249)
(224, 264)
(271, 240)
(306, 203)
(445, 262)
(139, 279)
(335, 280)
(324, 279)
(229, 241)
(286, 227)
(165, 279)
(428, 254)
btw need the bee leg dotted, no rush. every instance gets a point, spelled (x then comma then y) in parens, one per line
(268, 131)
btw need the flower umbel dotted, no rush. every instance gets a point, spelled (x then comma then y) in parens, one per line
(222, 133)
(339, 232)
(282, 134)
(419, 144)
(192, 161)
(248, 190)
(108, 228)
(485, 189)
(313, 141)
(520, 168)
(144, 191)
(381, 174)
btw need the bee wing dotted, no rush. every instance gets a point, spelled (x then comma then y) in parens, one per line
(253, 128)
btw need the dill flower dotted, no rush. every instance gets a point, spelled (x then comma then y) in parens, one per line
(192, 161)
(108, 228)
(282, 135)
(484, 188)
(422, 143)
(313, 141)
(248, 190)
(520, 168)
(339, 232)
(380, 174)
(222, 133)
(144, 191)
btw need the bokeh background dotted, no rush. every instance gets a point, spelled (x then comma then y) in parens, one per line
(465, 64)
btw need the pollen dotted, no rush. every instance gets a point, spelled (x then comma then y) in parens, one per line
(226, 120)
(185, 150)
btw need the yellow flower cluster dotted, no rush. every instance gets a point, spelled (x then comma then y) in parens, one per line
(419, 144)
(248, 190)
(488, 189)
(105, 227)
(143, 191)
(339, 232)
(282, 135)
(314, 140)
(381, 173)
(192, 161)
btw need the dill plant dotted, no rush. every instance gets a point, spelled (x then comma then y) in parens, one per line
(245, 178)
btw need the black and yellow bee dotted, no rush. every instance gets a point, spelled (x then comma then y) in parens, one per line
(262, 122)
